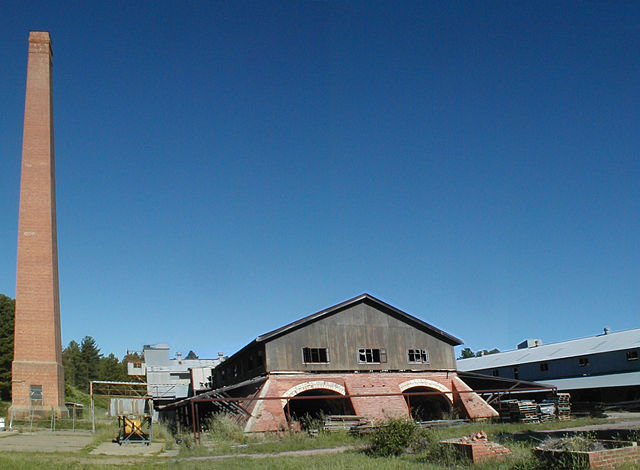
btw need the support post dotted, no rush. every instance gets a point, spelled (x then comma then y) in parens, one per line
(193, 421)
(93, 411)
(288, 413)
(197, 420)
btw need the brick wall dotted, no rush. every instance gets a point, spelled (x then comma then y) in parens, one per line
(269, 414)
(614, 458)
(605, 459)
(480, 451)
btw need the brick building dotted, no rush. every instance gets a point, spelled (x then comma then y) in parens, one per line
(364, 355)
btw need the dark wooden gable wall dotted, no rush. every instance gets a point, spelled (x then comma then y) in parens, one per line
(358, 326)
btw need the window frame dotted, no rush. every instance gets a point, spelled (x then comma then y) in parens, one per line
(36, 395)
(318, 352)
(632, 355)
(422, 356)
(373, 353)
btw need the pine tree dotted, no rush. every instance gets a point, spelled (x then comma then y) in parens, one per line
(90, 355)
(111, 369)
(73, 367)
(466, 353)
(191, 355)
(7, 311)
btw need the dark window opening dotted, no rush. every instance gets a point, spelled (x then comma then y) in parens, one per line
(250, 362)
(315, 355)
(418, 356)
(260, 358)
(583, 361)
(35, 394)
(495, 373)
(544, 366)
(308, 410)
(426, 407)
(372, 355)
(516, 375)
(632, 355)
(180, 375)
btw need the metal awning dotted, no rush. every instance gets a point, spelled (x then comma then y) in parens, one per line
(626, 379)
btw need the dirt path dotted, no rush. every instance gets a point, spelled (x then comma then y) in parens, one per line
(623, 421)
(289, 453)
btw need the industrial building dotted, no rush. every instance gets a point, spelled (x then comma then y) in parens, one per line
(602, 369)
(364, 355)
(170, 379)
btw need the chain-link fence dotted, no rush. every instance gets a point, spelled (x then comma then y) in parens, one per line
(76, 418)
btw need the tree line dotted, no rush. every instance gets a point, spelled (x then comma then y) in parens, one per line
(466, 353)
(83, 362)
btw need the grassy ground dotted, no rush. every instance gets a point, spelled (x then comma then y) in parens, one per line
(223, 439)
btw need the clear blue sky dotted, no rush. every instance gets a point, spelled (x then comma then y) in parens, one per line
(224, 168)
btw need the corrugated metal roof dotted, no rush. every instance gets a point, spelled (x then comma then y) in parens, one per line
(621, 340)
(625, 379)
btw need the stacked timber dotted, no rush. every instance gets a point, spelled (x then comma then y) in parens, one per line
(547, 411)
(524, 411)
(563, 405)
(345, 422)
(528, 411)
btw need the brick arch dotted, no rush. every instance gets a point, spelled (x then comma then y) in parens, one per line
(428, 384)
(311, 385)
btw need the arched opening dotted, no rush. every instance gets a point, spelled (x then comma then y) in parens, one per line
(427, 407)
(305, 410)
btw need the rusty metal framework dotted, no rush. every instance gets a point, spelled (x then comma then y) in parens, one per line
(118, 390)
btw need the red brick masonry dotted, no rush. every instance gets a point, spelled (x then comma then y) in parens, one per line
(626, 453)
(37, 343)
(269, 415)
(477, 448)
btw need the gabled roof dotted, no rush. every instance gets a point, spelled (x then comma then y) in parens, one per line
(369, 300)
(620, 340)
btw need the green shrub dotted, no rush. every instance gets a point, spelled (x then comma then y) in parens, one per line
(393, 437)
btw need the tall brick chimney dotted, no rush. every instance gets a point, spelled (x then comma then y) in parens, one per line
(38, 376)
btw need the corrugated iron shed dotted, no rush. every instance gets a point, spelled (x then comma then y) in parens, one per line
(617, 341)
(628, 379)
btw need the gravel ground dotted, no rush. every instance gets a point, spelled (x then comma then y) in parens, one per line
(45, 442)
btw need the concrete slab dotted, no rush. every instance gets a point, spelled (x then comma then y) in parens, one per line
(45, 442)
(131, 450)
